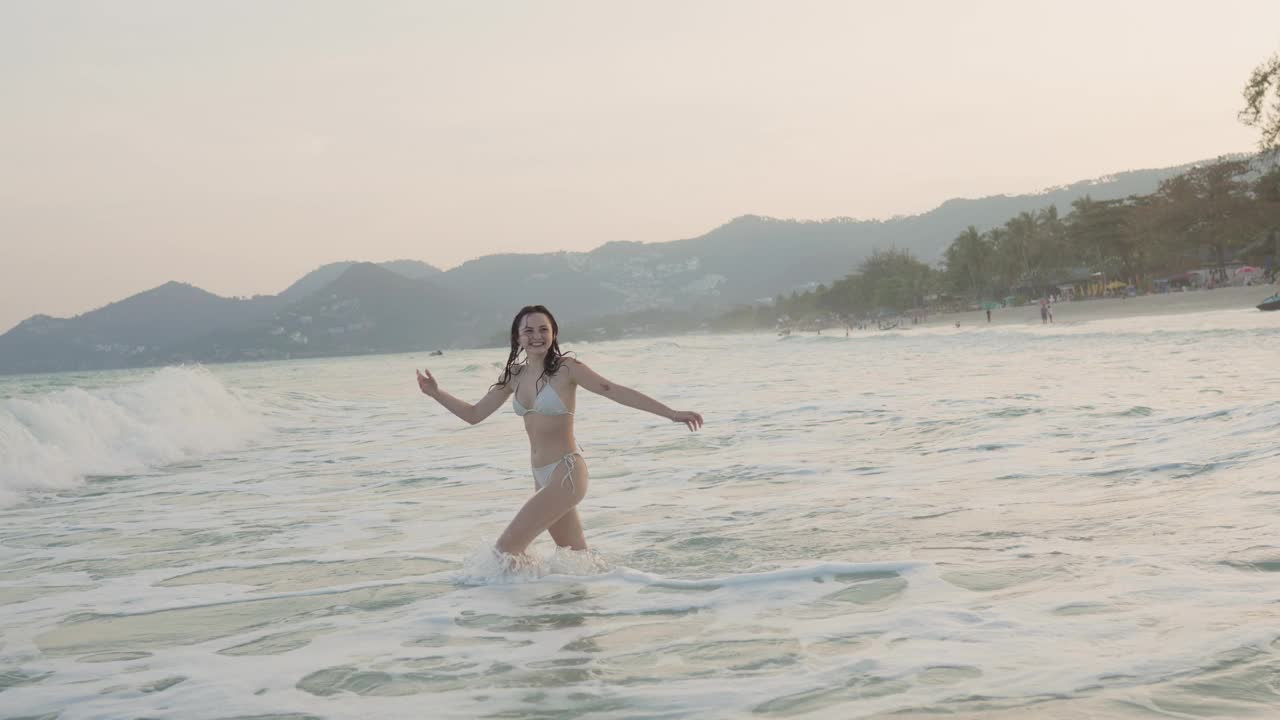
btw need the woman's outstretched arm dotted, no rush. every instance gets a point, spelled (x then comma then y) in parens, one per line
(589, 379)
(472, 414)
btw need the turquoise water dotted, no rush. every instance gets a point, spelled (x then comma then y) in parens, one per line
(1067, 521)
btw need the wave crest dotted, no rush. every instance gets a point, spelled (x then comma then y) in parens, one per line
(54, 440)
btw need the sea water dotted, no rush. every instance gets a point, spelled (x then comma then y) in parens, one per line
(1017, 521)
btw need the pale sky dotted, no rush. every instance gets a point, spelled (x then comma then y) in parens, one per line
(239, 145)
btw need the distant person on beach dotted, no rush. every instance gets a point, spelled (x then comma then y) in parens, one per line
(1044, 312)
(988, 315)
(542, 383)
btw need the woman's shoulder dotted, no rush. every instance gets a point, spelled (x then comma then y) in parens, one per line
(511, 375)
(575, 369)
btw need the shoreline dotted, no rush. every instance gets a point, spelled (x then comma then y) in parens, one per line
(1078, 311)
(1229, 298)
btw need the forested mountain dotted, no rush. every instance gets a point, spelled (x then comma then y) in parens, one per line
(349, 307)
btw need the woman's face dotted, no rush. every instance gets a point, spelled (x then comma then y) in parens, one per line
(536, 335)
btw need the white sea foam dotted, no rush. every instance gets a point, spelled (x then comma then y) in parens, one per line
(488, 566)
(53, 441)
(814, 572)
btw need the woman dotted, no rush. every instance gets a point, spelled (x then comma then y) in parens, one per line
(542, 389)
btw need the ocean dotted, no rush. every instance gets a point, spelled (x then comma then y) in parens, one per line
(1014, 521)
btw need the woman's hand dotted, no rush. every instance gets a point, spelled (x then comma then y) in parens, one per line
(688, 417)
(427, 383)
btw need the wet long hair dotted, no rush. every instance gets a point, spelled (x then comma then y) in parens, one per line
(553, 359)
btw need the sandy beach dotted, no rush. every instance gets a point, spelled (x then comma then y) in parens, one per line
(1085, 310)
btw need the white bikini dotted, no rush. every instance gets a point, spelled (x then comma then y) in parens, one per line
(543, 404)
(547, 402)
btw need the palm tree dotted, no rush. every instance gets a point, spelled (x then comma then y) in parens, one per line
(1021, 239)
(1055, 245)
(968, 263)
(1007, 261)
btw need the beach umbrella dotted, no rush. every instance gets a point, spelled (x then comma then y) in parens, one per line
(1116, 284)
(1247, 270)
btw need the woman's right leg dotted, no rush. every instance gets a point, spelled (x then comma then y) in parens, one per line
(567, 531)
(545, 508)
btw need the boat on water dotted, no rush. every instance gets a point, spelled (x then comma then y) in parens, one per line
(1271, 303)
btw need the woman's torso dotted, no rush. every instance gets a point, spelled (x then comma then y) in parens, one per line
(550, 435)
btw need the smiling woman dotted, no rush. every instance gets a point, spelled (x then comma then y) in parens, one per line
(542, 387)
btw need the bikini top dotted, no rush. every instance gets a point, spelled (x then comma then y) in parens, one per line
(544, 403)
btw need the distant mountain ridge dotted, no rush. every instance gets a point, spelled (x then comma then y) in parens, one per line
(325, 274)
(126, 333)
(352, 307)
(748, 258)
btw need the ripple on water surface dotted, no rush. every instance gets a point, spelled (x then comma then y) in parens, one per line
(91, 632)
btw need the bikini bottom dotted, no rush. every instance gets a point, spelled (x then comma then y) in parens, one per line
(542, 475)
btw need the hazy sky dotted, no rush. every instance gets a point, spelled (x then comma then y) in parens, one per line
(238, 145)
